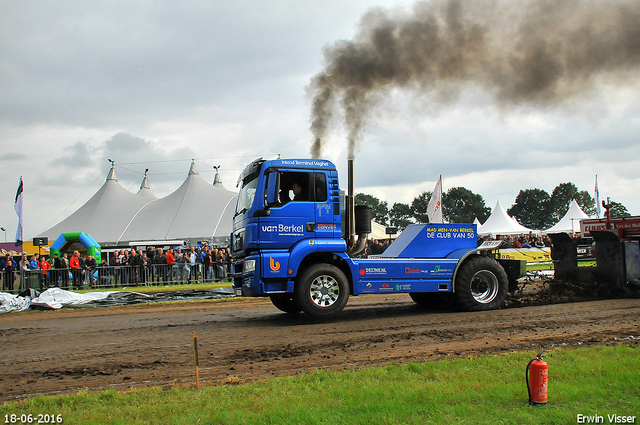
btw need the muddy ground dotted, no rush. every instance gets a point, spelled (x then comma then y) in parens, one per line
(48, 352)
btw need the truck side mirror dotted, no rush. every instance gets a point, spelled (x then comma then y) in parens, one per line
(273, 185)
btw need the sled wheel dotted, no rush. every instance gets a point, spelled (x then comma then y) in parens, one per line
(285, 302)
(322, 291)
(481, 284)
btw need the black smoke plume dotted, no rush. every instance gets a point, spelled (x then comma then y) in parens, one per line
(540, 53)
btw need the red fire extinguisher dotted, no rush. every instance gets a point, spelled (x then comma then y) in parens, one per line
(537, 380)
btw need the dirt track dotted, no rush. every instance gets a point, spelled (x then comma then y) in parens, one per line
(245, 339)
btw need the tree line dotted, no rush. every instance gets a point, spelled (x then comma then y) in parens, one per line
(533, 208)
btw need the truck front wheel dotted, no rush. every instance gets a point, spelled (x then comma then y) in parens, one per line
(481, 284)
(322, 291)
(285, 302)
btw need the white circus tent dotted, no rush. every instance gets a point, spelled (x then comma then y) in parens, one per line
(571, 220)
(107, 213)
(197, 210)
(500, 223)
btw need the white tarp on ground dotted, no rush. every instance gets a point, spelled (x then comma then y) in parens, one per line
(53, 298)
(56, 298)
(500, 223)
(571, 220)
(10, 302)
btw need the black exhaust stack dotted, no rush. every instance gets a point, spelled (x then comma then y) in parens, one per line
(358, 220)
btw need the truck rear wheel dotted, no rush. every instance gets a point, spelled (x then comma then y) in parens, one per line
(481, 284)
(322, 291)
(285, 302)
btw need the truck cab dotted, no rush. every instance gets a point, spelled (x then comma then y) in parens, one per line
(294, 241)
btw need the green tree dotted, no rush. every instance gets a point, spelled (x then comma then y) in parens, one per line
(618, 210)
(379, 209)
(460, 205)
(561, 197)
(532, 209)
(587, 203)
(400, 215)
(419, 207)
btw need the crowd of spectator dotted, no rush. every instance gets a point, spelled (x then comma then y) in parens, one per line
(122, 267)
(530, 240)
(375, 247)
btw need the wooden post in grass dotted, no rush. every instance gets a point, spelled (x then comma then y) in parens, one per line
(195, 353)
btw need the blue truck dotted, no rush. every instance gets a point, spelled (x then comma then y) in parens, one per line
(297, 239)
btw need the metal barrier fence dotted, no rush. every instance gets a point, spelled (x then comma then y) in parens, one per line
(111, 277)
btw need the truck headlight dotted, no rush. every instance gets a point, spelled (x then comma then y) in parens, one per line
(249, 266)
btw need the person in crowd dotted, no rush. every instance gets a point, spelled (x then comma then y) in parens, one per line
(146, 268)
(57, 269)
(90, 267)
(191, 260)
(25, 270)
(538, 243)
(114, 266)
(215, 264)
(76, 271)
(229, 260)
(7, 269)
(220, 265)
(182, 268)
(104, 274)
(160, 265)
(135, 264)
(45, 266)
(170, 260)
(34, 267)
(124, 266)
(65, 271)
(207, 265)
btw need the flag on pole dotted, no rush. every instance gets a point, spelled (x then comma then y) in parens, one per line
(434, 209)
(596, 195)
(18, 207)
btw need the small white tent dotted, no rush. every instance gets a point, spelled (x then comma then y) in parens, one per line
(571, 220)
(500, 223)
(478, 224)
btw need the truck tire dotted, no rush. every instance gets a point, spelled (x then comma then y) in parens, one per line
(322, 291)
(285, 302)
(481, 284)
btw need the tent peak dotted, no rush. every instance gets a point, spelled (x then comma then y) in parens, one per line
(112, 171)
(193, 169)
(145, 181)
(216, 178)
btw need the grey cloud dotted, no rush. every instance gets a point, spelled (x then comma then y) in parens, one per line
(79, 157)
(93, 64)
(12, 156)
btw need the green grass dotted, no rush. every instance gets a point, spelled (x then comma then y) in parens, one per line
(549, 266)
(597, 380)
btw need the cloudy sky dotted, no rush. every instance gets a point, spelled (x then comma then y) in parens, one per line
(155, 84)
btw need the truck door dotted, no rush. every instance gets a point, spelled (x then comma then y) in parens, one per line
(327, 201)
(292, 214)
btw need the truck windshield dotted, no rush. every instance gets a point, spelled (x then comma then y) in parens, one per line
(247, 193)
